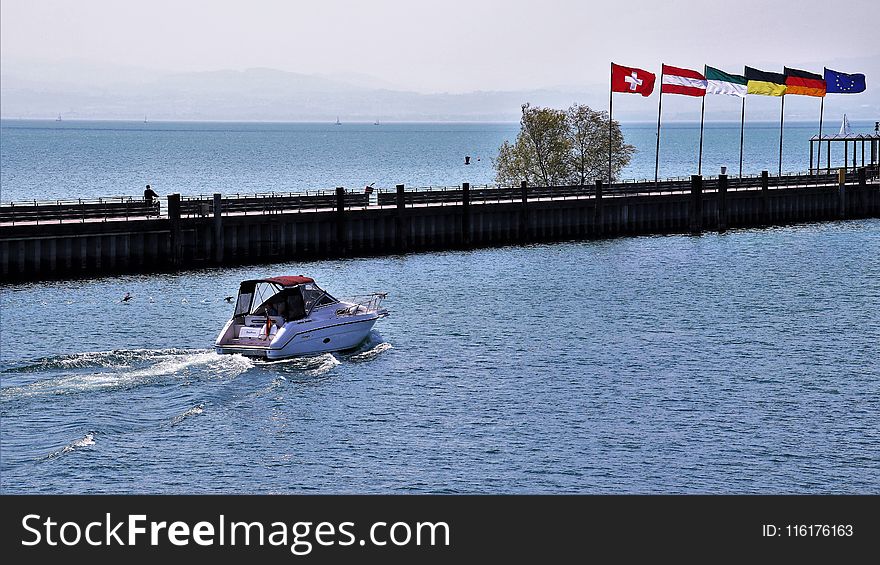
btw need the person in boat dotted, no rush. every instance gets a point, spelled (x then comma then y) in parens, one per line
(296, 308)
(281, 309)
(270, 312)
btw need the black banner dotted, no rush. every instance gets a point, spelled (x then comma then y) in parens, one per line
(294, 528)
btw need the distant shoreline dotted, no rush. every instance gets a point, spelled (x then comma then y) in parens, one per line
(830, 123)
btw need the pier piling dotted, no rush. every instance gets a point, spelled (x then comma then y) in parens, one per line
(863, 192)
(401, 228)
(722, 203)
(466, 214)
(341, 246)
(696, 204)
(524, 234)
(218, 228)
(765, 197)
(175, 236)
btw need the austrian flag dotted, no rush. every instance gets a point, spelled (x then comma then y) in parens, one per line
(682, 81)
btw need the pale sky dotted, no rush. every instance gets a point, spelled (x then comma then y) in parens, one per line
(452, 45)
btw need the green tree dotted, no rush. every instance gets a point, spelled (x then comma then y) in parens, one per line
(562, 147)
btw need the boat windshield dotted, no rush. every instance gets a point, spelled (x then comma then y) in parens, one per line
(314, 296)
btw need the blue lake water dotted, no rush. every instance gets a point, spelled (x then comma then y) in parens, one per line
(79, 159)
(742, 362)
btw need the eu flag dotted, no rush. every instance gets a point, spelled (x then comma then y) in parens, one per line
(843, 83)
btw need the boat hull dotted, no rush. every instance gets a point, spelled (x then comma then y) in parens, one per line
(342, 335)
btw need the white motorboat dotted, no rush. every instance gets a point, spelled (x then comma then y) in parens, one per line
(291, 316)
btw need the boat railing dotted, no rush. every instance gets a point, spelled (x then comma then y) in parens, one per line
(363, 303)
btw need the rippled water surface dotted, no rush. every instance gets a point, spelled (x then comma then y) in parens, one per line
(91, 159)
(742, 362)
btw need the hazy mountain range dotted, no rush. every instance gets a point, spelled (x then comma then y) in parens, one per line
(78, 90)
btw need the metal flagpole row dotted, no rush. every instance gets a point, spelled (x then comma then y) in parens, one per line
(742, 132)
(821, 116)
(659, 110)
(781, 119)
(610, 102)
(702, 115)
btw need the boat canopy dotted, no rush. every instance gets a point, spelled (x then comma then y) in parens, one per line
(299, 292)
(290, 280)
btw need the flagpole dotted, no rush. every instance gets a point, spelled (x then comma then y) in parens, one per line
(659, 110)
(821, 116)
(781, 119)
(742, 132)
(702, 115)
(610, 108)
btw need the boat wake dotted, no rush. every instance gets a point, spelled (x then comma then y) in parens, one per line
(194, 411)
(85, 441)
(371, 353)
(313, 366)
(118, 369)
(318, 365)
(371, 348)
(129, 368)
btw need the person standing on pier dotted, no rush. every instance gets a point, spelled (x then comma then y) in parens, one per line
(149, 194)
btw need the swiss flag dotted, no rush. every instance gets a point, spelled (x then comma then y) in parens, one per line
(632, 80)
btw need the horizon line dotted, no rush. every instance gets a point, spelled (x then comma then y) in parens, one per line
(372, 122)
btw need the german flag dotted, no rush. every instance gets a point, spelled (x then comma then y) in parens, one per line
(764, 83)
(804, 83)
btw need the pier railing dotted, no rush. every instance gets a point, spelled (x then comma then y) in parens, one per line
(82, 209)
(454, 195)
(270, 202)
(128, 207)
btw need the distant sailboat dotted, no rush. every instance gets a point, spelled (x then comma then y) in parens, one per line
(145, 119)
(844, 127)
(376, 123)
(58, 119)
(338, 123)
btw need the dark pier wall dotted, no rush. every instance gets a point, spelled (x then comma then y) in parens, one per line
(57, 250)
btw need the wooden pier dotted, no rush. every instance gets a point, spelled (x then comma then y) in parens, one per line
(218, 230)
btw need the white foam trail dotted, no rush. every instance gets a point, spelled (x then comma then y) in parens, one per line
(194, 411)
(326, 363)
(88, 439)
(371, 353)
(110, 359)
(125, 369)
(175, 364)
(85, 441)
